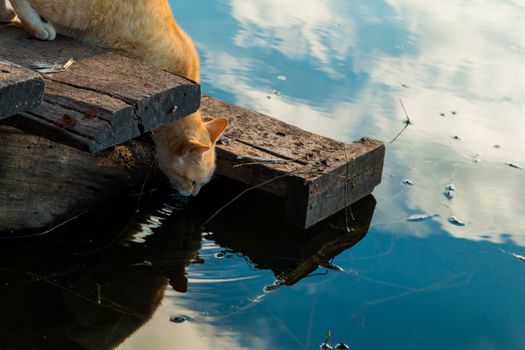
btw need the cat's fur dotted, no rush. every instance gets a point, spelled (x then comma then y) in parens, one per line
(145, 30)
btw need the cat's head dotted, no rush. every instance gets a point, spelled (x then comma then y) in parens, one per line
(189, 161)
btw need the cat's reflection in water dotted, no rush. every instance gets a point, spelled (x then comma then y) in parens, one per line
(61, 294)
(94, 295)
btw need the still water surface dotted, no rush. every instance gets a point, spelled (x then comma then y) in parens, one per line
(338, 68)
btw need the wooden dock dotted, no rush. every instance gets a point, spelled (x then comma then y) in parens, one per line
(75, 149)
(20, 89)
(316, 176)
(102, 99)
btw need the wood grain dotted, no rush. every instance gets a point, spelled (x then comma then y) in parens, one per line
(20, 89)
(319, 176)
(103, 99)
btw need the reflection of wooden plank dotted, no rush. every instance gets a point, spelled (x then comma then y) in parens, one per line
(254, 226)
(103, 99)
(319, 176)
(20, 89)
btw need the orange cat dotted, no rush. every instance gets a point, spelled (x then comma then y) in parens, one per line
(146, 30)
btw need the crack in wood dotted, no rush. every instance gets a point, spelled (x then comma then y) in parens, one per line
(275, 154)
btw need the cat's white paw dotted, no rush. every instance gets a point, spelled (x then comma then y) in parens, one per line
(44, 31)
(6, 15)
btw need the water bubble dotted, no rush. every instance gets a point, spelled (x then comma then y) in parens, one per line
(421, 217)
(450, 187)
(455, 221)
(449, 194)
(178, 319)
(515, 165)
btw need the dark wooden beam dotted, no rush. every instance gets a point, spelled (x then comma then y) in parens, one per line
(103, 99)
(20, 89)
(316, 176)
(43, 184)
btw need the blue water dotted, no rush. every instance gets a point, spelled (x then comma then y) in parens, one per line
(350, 67)
(345, 69)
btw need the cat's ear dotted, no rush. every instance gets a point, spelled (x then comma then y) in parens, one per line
(216, 127)
(192, 148)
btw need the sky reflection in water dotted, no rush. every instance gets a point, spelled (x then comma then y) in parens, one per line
(458, 68)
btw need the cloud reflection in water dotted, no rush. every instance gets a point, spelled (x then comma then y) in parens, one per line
(461, 59)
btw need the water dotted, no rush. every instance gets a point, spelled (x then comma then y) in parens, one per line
(343, 69)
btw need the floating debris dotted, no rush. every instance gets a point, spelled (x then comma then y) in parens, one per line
(46, 67)
(456, 137)
(450, 187)
(407, 182)
(406, 87)
(442, 114)
(326, 345)
(449, 194)
(178, 319)
(147, 263)
(276, 93)
(342, 346)
(453, 112)
(281, 78)
(497, 146)
(519, 257)
(455, 221)
(515, 165)
(421, 217)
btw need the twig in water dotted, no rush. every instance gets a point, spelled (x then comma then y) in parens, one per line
(407, 122)
(105, 303)
(242, 194)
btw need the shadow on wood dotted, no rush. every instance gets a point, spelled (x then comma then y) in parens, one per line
(43, 183)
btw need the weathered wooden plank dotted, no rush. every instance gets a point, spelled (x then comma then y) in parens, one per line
(43, 183)
(110, 98)
(20, 89)
(317, 177)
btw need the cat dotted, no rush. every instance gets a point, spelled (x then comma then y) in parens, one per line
(145, 30)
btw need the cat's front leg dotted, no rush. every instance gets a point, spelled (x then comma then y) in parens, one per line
(7, 14)
(32, 20)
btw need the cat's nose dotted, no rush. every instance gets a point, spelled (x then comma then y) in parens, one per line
(196, 191)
